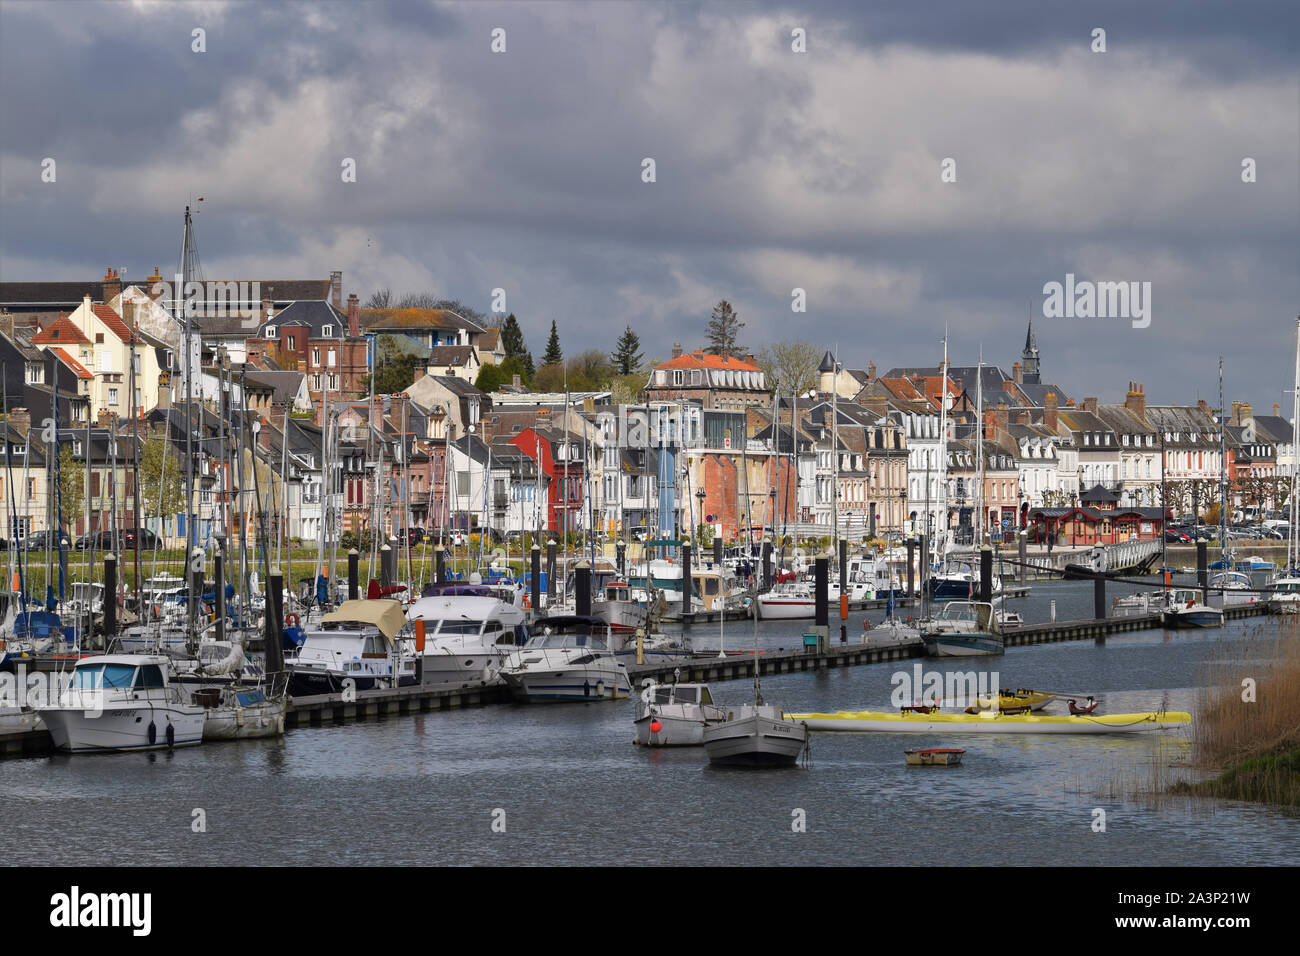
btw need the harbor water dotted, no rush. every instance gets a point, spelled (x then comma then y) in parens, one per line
(563, 783)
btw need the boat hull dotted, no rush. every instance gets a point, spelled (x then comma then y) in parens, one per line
(881, 722)
(606, 683)
(264, 719)
(755, 740)
(962, 645)
(1208, 617)
(785, 610)
(76, 730)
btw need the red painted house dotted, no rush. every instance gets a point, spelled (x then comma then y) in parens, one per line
(564, 498)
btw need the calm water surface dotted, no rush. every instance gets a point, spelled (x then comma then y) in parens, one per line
(575, 790)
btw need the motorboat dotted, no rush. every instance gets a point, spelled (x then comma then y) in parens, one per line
(675, 715)
(959, 581)
(930, 720)
(1233, 589)
(363, 642)
(1138, 604)
(618, 608)
(1184, 608)
(1254, 562)
(755, 735)
(466, 638)
(123, 702)
(566, 658)
(790, 601)
(962, 629)
(1284, 596)
(241, 713)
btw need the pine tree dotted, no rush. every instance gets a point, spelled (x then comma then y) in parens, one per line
(553, 354)
(723, 330)
(512, 341)
(626, 357)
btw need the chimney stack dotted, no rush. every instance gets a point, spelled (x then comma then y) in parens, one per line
(267, 306)
(1277, 409)
(354, 316)
(1136, 400)
(1204, 406)
(871, 371)
(336, 289)
(677, 350)
(515, 382)
(1090, 404)
(112, 284)
(1049, 410)
(1017, 375)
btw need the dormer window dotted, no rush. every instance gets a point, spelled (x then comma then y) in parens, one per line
(327, 331)
(272, 332)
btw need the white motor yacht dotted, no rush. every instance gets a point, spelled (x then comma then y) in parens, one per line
(466, 639)
(567, 658)
(963, 629)
(1184, 608)
(122, 702)
(364, 641)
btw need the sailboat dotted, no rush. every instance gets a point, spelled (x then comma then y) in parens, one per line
(758, 735)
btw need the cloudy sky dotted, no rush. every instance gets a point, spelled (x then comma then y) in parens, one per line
(774, 170)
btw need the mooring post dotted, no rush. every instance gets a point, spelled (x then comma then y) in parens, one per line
(274, 621)
(767, 565)
(219, 587)
(385, 565)
(686, 585)
(1203, 570)
(535, 573)
(354, 573)
(196, 584)
(1024, 557)
(821, 598)
(550, 572)
(1099, 597)
(582, 589)
(911, 571)
(717, 550)
(986, 574)
(620, 551)
(844, 563)
(440, 566)
(110, 599)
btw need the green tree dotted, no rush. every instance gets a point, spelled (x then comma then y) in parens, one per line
(512, 342)
(395, 369)
(723, 330)
(553, 354)
(72, 486)
(627, 355)
(162, 479)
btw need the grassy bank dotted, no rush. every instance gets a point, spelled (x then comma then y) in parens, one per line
(1247, 726)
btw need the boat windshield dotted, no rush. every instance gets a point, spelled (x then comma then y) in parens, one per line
(958, 612)
(1288, 587)
(553, 641)
(101, 676)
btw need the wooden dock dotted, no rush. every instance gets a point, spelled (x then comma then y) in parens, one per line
(322, 709)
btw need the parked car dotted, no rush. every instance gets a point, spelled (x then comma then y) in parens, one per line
(1174, 536)
(412, 536)
(457, 538)
(148, 541)
(40, 541)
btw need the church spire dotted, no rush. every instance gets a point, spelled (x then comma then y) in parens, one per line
(1029, 358)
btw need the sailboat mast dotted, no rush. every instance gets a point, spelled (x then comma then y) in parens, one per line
(1291, 556)
(979, 452)
(1223, 476)
(941, 532)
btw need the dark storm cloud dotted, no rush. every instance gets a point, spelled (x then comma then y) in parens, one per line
(522, 170)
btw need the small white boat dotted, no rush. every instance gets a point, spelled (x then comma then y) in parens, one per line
(566, 659)
(122, 702)
(241, 713)
(675, 715)
(1185, 609)
(755, 735)
(1284, 594)
(962, 629)
(891, 632)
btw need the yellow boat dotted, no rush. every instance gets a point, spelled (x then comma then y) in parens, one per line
(923, 720)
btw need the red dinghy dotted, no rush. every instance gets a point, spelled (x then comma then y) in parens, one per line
(934, 757)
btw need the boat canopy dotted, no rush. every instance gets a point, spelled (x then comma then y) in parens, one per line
(383, 613)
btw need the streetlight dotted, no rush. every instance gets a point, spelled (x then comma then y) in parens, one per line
(700, 495)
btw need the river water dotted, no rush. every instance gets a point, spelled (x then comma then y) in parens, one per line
(566, 785)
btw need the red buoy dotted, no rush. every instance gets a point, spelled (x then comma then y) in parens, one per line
(655, 726)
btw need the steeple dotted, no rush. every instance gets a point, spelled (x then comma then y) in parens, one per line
(1029, 358)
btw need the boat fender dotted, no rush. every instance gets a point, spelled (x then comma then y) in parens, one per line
(152, 734)
(239, 716)
(279, 724)
(171, 735)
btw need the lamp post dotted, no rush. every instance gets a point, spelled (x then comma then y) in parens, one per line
(700, 497)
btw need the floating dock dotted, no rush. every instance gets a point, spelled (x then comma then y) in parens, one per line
(323, 709)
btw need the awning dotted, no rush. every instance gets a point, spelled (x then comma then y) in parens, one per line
(383, 613)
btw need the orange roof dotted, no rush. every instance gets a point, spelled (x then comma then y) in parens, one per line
(701, 359)
(113, 321)
(62, 329)
(71, 363)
